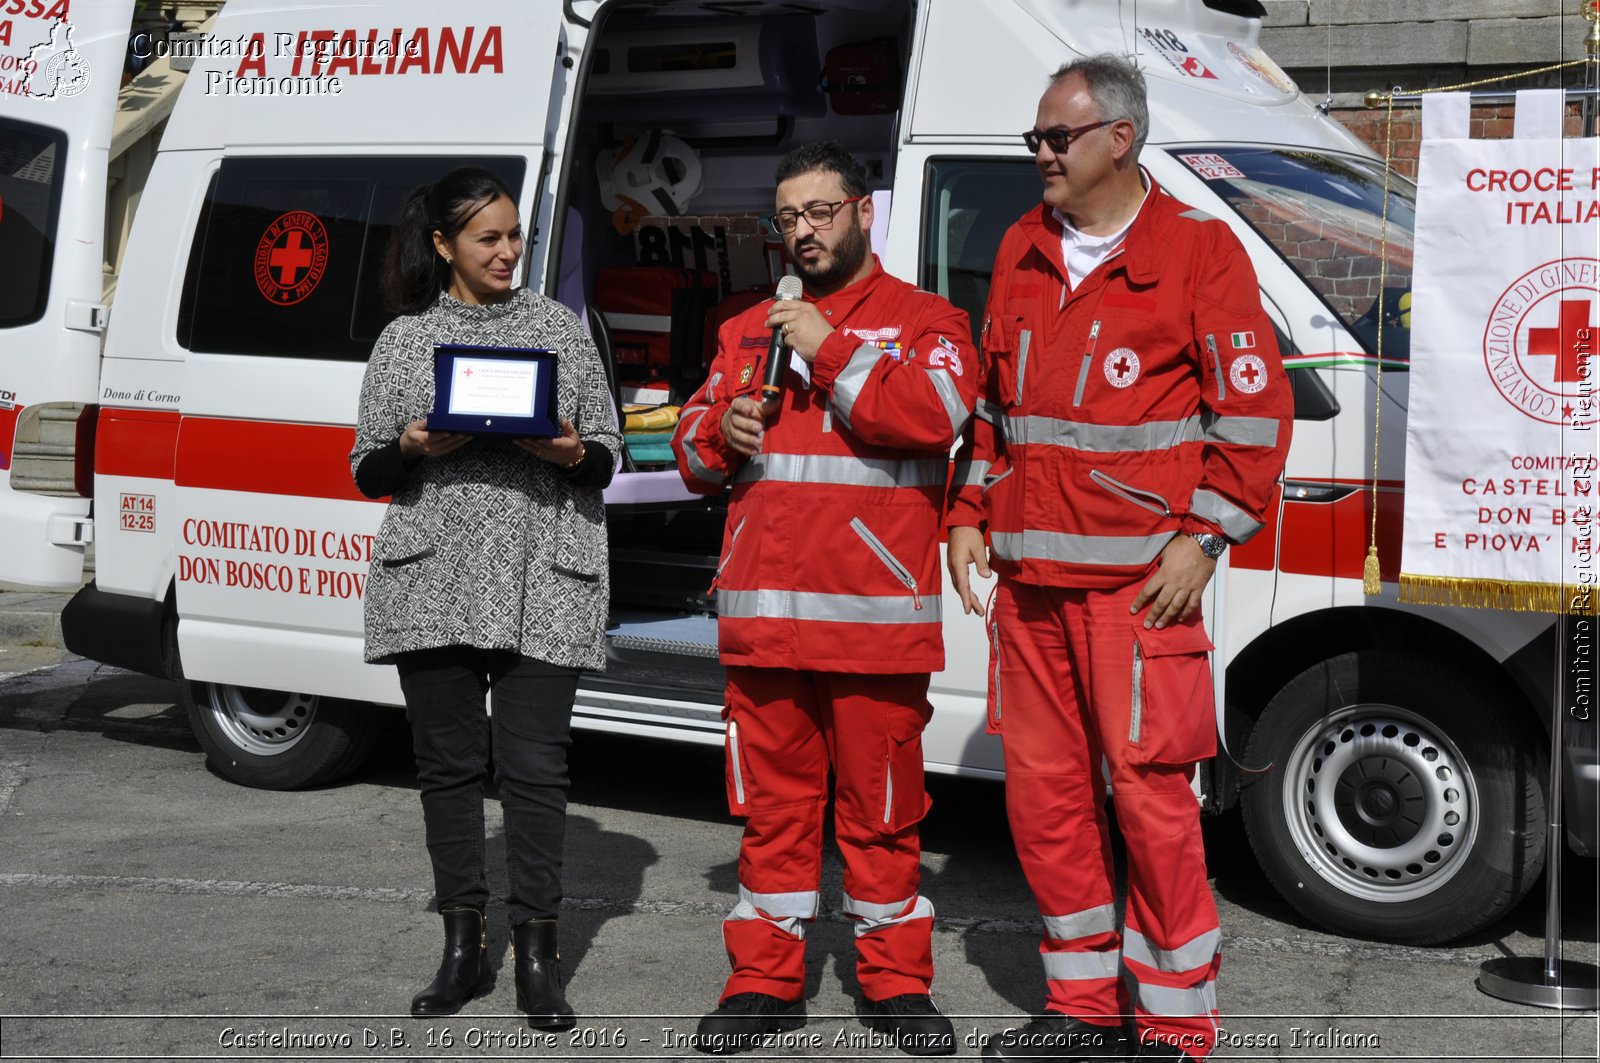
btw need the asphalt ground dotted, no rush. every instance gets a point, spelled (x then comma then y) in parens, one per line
(153, 910)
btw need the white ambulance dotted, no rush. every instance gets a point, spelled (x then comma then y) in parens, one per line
(196, 429)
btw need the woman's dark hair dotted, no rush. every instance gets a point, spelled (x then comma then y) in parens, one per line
(413, 272)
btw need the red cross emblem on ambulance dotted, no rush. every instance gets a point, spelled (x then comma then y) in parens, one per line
(291, 257)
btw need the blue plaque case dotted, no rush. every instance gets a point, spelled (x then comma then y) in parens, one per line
(540, 420)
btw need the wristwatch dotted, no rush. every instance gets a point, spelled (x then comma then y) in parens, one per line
(1211, 545)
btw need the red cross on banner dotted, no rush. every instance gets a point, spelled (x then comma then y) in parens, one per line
(1571, 341)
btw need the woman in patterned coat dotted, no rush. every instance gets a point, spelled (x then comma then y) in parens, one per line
(488, 576)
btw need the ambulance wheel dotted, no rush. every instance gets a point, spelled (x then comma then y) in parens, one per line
(274, 740)
(1402, 803)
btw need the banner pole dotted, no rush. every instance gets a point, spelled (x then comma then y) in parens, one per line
(1551, 982)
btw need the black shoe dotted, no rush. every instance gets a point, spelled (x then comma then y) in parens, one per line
(1056, 1036)
(464, 972)
(538, 972)
(1152, 1047)
(741, 1021)
(913, 1023)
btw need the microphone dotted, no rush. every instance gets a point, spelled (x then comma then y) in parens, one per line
(772, 384)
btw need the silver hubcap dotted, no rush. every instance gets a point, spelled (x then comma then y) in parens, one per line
(261, 722)
(1381, 804)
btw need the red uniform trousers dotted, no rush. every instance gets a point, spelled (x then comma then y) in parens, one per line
(1078, 679)
(785, 728)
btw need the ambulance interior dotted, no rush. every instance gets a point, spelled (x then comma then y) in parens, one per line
(683, 113)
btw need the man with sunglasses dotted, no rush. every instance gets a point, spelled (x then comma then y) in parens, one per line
(1134, 423)
(828, 602)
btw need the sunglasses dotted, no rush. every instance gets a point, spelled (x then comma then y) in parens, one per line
(1059, 138)
(819, 216)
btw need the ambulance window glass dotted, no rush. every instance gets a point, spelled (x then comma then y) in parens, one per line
(1324, 215)
(970, 204)
(288, 256)
(32, 166)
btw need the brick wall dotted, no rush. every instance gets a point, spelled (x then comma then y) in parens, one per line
(1338, 50)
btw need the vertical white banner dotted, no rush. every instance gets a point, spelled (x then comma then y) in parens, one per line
(1501, 436)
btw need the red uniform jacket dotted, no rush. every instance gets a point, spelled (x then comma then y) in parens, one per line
(1149, 401)
(830, 560)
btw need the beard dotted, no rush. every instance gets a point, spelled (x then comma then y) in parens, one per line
(842, 262)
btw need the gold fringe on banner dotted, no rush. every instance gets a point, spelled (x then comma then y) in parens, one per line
(1572, 598)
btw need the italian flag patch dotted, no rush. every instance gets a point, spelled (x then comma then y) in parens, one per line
(1243, 341)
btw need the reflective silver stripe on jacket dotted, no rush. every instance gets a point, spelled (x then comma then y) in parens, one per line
(691, 451)
(1241, 431)
(970, 473)
(992, 412)
(1080, 966)
(1193, 954)
(950, 395)
(873, 917)
(1235, 523)
(1103, 438)
(1032, 545)
(852, 378)
(845, 469)
(839, 608)
(1098, 920)
(787, 911)
(1174, 1003)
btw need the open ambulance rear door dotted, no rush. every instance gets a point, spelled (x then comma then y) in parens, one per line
(60, 70)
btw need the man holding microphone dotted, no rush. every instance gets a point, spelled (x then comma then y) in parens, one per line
(828, 597)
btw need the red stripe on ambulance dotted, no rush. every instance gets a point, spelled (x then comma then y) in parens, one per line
(267, 457)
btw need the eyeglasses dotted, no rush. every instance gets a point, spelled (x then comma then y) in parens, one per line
(818, 216)
(1059, 138)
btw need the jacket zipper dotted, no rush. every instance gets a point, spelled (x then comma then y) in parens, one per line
(733, 758)
(1083, 370)
(888, 788)
(733, 541)
(1136, 714)
(1024, 341)
(1142, 499)
(1216, 360)
(891, 562)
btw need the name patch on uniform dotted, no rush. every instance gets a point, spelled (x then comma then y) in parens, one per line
(872, 335)
(754, 341)
(1121, 367)
(1248, 374)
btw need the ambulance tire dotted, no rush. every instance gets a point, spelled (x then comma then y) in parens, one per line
(1403, 802)
(275, 740)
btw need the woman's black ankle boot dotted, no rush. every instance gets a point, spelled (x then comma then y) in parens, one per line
(464, 972)
(538, 972)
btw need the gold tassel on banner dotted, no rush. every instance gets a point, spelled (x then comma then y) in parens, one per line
(1371, 572)
(1371, 575)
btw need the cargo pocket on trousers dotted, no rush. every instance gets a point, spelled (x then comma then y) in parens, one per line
(1172, 719)
(905, 798)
